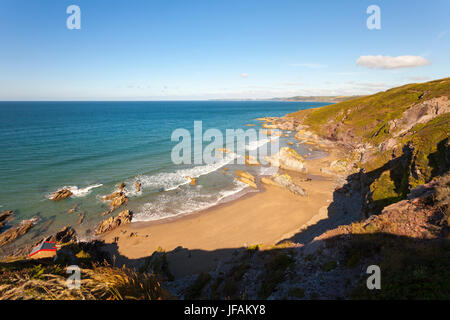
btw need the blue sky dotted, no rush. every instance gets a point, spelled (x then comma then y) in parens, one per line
(203, 49)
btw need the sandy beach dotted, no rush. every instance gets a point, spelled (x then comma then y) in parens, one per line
(262, 218)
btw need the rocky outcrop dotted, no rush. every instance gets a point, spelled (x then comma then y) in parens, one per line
(16, 231)
(113, 195)
(112, 223)
(247, 178)
(284, 181)
(63, 236)
(62, 194)
(117, 199)
(121, 186)
(138, 186)
(288, 159)
(419, 113)
(5, 217)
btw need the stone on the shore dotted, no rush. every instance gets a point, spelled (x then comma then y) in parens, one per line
(245, 174)
(138, 186)
(247, 178)
(16, 231)
(248, 181)
(112, 223)
(121, 186)
(193, 181)
(269, 181)
(65, 235)
(288, 159)
(224, 171)
(251, 161)
(61, 194)
(286, 181)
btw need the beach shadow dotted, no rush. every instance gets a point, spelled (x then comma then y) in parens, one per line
(353, 201)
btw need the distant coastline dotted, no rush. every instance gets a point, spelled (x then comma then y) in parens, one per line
(330, 99)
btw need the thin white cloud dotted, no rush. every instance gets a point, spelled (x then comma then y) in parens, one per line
(387, 62)
(442, 34)
(244, 75)
(309, 65)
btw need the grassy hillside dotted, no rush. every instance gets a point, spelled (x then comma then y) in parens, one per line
(368, 114)
(400, 136)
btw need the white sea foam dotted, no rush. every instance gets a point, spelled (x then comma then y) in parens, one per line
(167, 181)
(165, 206)
(253, 145)
(76, 191)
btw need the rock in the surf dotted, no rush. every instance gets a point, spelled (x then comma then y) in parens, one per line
(118, 201)
(138, 186)
(61, 194)
(193, 181)
(73, 209)
(247, 178)
(113, 195)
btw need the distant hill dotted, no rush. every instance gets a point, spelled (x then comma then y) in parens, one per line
(333, 99)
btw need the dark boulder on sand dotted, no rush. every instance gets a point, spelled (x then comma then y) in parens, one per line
(112, 223)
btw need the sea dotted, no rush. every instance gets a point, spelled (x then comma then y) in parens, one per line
(91, 147)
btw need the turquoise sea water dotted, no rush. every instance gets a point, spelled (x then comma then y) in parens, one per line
(91, 147)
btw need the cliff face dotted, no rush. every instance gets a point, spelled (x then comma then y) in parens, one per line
(398, 138)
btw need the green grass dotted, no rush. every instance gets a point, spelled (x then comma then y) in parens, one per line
(296, 292)
(368, 115)
(275, 270)
(195, 290)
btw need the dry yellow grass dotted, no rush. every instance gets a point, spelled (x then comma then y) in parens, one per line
(98, 283)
